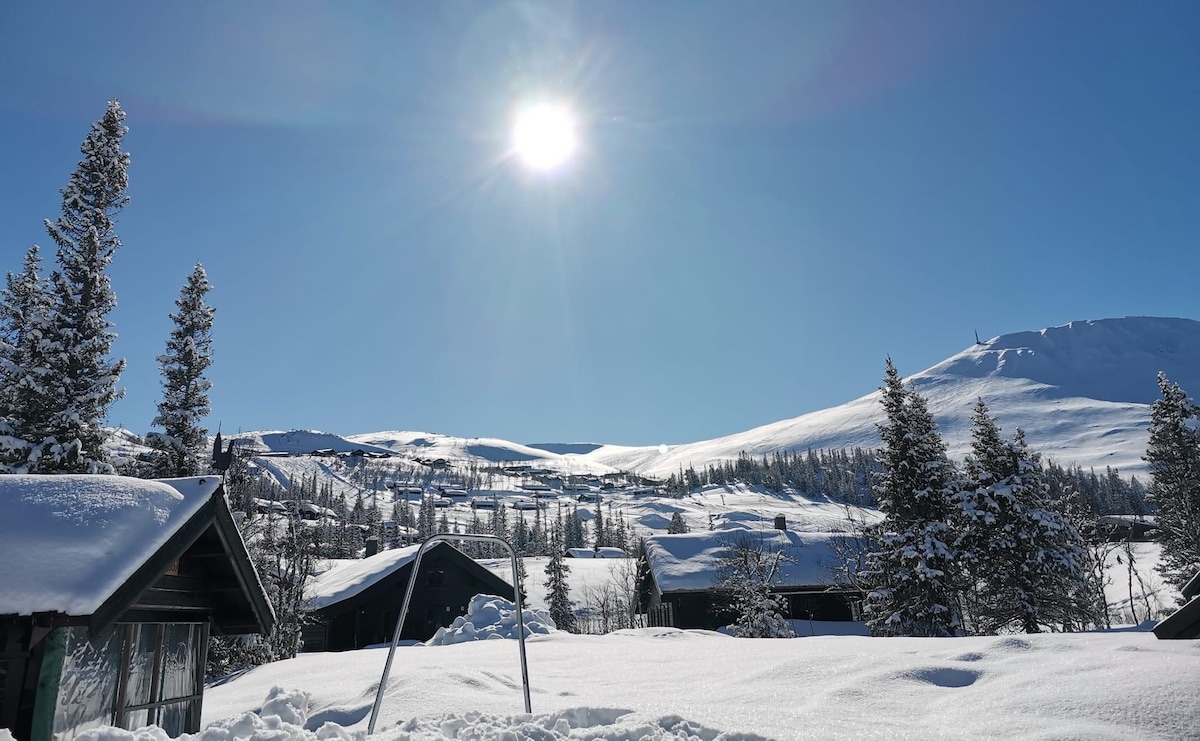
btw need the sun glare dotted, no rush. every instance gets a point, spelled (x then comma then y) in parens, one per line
(544, 136)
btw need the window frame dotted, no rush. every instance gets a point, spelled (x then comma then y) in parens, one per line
(154, 706)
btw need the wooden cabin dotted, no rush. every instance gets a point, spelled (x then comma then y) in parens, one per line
(684, 573)
(109, 591)
(355, 603)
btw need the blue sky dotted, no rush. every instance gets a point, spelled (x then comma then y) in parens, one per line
(768, 198)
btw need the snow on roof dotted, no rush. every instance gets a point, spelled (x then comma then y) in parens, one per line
(347, 577)
(605, 552)
(691, 561)
(68, 542)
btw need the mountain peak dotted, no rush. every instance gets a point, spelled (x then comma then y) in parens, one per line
(1113, 360)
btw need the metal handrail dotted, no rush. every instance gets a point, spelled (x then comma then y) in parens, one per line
(412, 580)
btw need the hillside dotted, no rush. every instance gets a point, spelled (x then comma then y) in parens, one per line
(1081, 392)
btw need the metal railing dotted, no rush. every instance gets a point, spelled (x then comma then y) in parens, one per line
(412, 580)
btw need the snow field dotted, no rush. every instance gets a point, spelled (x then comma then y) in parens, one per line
(635, 684)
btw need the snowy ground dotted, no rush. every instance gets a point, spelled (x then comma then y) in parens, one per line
(663, 683)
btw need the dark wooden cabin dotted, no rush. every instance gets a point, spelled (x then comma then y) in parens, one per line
(111, 588)
(355, 603)
(683, 577)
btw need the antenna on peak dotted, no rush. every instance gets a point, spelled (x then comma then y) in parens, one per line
(977, 340)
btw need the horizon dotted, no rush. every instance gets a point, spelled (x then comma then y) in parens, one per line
(757, 206)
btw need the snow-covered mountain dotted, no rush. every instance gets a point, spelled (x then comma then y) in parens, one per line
(1081, 392)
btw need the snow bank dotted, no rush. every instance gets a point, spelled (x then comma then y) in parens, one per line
(285, 715)
(490, 617)
(282, 718)
(594, 724)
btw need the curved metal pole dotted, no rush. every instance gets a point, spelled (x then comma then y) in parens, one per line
(412, 580)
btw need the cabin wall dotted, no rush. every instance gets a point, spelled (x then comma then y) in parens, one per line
(20, 665)
(708, 610)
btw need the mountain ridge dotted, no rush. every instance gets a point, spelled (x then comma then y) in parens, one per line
(1081, 391)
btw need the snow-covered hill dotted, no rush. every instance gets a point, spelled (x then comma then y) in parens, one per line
(1080, 391)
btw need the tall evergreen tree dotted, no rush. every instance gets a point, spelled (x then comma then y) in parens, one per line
(600, 532)
(1021, 558)
(910, 570)
(1174, 457)
(185, 388)
(82, 379)
(574, 536)
(25, 406)
(558, 594)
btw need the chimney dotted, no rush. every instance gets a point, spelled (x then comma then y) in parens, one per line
(372, 547)
(780, 522)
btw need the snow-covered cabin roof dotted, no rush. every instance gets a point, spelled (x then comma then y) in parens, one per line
(605, 552)
(68, 542)
(346, 577)
(691, 561)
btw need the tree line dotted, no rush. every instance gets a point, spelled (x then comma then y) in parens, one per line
(848, 477)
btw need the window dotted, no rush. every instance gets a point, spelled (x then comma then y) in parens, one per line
(161, 679)
(87, 685)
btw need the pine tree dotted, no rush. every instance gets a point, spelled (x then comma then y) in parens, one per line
(910, 570)
(677, 525)
(1174, 457)
(426, 517)
(26, 409)
(745, 572)
(185, 388)
(558, 594)
(81, 378)
(574, 535)
(600, 533)
(1021, 558)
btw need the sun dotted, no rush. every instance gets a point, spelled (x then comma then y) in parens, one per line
(544, 136)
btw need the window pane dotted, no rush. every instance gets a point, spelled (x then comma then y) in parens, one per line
(174, 717)
(141, 665)
(87, 688)
(137, 719)
(179, 652)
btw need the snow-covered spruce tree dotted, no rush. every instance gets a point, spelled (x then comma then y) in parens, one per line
(1021, 558)
(558, 594)
(677, 525)
(746, 569)
(911, 574)
(183, 444)
(573, 533)
(25, 407)
(599, 531)
(81, 378)
(1174, 457)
